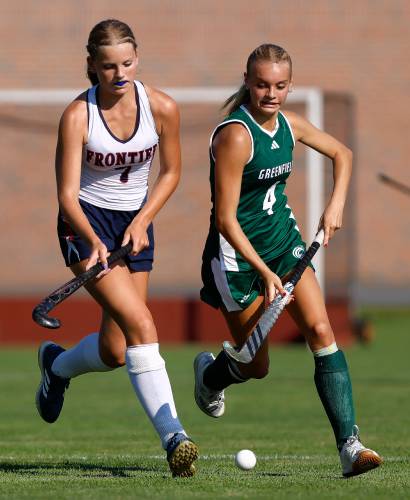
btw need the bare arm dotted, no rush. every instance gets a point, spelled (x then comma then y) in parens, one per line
(72, 135)
(341, 157)
(232, 147)
(166, 116)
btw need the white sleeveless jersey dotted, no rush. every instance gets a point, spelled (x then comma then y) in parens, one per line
(114, 172)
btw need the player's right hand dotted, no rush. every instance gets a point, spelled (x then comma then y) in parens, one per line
(99, 253)
(273, 286)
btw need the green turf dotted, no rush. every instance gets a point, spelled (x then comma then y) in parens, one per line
(103, 446)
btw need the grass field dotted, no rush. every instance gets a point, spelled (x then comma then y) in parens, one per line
(103, 446)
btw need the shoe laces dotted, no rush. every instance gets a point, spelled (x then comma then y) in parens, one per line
(57, 386)
(215, 398)
(353, 441)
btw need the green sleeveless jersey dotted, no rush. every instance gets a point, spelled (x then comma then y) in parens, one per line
(263, 212)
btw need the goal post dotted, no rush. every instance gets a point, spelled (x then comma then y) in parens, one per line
(311, 97)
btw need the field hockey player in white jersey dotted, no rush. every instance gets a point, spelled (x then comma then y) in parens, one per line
(254, 243)
(106, 143)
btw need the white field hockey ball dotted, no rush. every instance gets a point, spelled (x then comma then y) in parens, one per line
(245, 459)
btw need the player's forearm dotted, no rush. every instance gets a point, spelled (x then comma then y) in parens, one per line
(342, 170)
(164, 186)
(73, 213)
(232, 232)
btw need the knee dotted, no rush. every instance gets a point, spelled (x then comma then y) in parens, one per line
(114, 358)
(116, 362)
(141, 330)
(320, 335)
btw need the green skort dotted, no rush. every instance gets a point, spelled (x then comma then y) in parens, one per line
(236, 290)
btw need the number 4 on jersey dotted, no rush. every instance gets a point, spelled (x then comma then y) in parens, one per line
(270, 199)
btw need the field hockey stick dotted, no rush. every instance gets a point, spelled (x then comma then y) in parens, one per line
(40, 312)
(396, 184)
(271, 314)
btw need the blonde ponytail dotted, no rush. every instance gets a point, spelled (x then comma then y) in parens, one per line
(236, 100)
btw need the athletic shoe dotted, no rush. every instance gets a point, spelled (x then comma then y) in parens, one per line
(181, 453)
(209, 401)
(355, 458)
(50, 393)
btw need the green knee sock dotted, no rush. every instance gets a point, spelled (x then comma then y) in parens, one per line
(335, 390)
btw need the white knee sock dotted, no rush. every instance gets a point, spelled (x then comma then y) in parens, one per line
(148, 375)
(82, 358)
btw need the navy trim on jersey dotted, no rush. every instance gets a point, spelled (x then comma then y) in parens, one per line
(87, 96)
(150, 109)
(137, 117)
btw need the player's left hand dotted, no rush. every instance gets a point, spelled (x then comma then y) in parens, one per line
(331, 221)
(136, 233)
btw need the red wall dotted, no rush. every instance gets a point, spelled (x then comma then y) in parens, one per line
(177, 320)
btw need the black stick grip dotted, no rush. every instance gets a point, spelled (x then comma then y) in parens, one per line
(40, 312)
(304, 262)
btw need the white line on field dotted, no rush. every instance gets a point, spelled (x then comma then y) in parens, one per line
(278, 457)
(91, 458)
